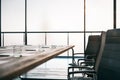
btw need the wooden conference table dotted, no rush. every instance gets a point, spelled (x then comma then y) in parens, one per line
(11, 67)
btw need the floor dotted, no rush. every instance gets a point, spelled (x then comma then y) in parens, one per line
(54, 69)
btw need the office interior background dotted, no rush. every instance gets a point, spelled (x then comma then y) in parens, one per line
(55, 22)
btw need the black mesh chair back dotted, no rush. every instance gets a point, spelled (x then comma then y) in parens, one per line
(93, 46)
(109, 67)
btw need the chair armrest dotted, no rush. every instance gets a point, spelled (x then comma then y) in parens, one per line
(86, 59)
(91, 60)
(83, 71)
(92, 72)
(80, 67)
(78, 53)
(87, 62)
(73, 64)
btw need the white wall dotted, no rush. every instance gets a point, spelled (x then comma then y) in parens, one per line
(13, 15)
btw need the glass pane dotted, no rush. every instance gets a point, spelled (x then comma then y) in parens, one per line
(118, 13)
(13, 39)
(55, 15)
(57, 39)
(36, 38)
(13, 15)
(77, 40)
(99, 15)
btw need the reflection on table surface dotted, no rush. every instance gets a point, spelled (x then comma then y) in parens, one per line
(29, 57)
(21, 50)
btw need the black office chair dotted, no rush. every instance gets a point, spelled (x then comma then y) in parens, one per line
(91, 51)
(108, 67)
(87, 70)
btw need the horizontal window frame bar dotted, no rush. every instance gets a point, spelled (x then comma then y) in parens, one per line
(53, 32)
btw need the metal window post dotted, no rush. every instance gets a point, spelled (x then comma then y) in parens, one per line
(84, 24)
(0, 25)
(25, 23)
(114, 14)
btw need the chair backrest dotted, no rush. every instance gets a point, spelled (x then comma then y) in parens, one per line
(93, 45)
(102, 45)
(109, 67)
